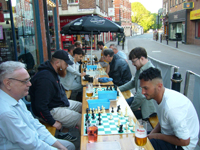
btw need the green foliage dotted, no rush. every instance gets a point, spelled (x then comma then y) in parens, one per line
(155, 25)
(142, 16)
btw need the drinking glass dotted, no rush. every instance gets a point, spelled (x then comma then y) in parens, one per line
(92, 132)
(141, 134)
(89, 89)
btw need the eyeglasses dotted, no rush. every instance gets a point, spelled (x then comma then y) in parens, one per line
(22, 81)
(135, 60)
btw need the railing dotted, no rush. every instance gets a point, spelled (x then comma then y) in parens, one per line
(166, 70)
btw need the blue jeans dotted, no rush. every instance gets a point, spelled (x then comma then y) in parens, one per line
(162, 145)
(129, 100)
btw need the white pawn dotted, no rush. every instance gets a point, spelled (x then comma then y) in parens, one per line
(126, 126)
(103, 111)
(111, 117)
(118, 123)
(129, 119)
(121, 114)
(90, 110)
(133, 128)
(130, 123)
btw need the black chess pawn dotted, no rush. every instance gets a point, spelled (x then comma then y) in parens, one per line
(112, 111)
(111, 88)
(100, 122)
(93, 117)
(121, 128)
(118, 108)
(107, 88)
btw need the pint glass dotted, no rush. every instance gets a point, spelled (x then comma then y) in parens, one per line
(92, 132)
(141, 133)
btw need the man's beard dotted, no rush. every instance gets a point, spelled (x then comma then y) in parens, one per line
(62, 72)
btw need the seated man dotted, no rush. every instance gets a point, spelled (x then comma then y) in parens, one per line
(18, 128)
(78, 44)
(102, 61)
(140, 106)
(48, 97)
(178, 126)
(116, 51)
(70, 51)
(72, 80)
(119, 69)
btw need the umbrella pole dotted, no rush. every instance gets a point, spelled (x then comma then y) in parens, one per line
(91, 46)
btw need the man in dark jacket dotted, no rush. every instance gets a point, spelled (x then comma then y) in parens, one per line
(119, 69)
(48, 97)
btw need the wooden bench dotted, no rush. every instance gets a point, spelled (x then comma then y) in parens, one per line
(153, 121)
(68, 93)
(50, 128)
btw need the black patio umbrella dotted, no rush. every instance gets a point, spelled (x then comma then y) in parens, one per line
(92, 24)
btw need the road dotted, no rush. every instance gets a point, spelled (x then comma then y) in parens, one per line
(186, 58)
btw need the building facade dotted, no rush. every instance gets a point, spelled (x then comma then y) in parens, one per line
(181, 20)
(25, 34)
(122, 9)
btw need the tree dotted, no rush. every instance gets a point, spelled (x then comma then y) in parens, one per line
(155, 25)
(141, 16)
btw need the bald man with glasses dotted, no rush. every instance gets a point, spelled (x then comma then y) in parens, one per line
(18, 128)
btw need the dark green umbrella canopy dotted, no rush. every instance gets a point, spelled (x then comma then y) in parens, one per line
(88, 24)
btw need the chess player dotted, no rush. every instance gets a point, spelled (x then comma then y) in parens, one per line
(18, 128)
(119, 68)
(72, 80)
(70, 51)
(48, 97)
(116, 51)
(139, 105)
(102, 61)
(178, 126)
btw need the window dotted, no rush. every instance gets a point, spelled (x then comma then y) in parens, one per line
(59, 2)
(72, 1)
(176, 2)
(198, 29)
(183, 0)
(170, 3)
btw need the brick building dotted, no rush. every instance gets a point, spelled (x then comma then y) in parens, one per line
(181, 20)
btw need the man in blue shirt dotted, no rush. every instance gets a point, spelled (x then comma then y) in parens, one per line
(116, 51)
(18, 128)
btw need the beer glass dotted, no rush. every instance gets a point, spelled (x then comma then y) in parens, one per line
(141, 134)
(89, 89)
(92, 132)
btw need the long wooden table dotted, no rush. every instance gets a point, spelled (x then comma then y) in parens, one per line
(127, 141)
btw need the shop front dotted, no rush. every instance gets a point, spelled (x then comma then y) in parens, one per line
(177, 29)
(20, 32)
(195, 17)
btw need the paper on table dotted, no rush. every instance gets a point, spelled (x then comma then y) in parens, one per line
(104, 146)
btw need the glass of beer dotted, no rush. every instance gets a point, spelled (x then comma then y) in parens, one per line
(89, 89)
(92, 132)
(141, 133)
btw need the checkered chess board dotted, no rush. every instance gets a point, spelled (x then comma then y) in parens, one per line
(109, 126)
(95, 91)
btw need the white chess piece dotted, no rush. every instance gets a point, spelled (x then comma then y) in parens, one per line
(90, 110)
(133, 129)
(118, 123)
(121, 114)
(126, 112)
(126, 126)
(130, 123)
(111, 117)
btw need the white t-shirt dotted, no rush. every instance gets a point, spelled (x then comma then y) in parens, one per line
(177, 116)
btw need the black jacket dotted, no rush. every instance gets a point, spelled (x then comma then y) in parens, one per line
(46, 92)
(119, 70)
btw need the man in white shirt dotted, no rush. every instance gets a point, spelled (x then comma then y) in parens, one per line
(18, 128)
(70, 51)
(72, 80)
(178, 126)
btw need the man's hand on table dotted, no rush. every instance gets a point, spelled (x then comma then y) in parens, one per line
(57, 125)
(83, 74)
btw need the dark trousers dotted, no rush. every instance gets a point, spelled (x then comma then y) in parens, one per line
(162, 145)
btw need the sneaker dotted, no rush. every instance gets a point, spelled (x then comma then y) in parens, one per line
(67, 136)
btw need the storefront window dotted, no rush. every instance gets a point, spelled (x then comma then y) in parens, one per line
(175, 28)
(25, 33)
(6, 37)
(198, 29)
(72, 1)
(51, 29)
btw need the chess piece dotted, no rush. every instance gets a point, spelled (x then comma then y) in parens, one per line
(100, 122)
(129, 119)
(107, 89)
(90, 110)
(133, 129)
(112, 110)
(93, 116)
(126, 112)
(121, 129)
(121, 114)
(95, 111)
(111, 117)
(118, 123)
(111, 88)
(126, 126)
(118, 108)
(130, 123)
(103, 110)
(86, 130)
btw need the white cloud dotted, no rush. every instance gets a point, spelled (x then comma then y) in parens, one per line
(151, 5)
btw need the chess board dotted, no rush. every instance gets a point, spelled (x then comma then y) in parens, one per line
(109, 126)
(95, 91)
(96, 72)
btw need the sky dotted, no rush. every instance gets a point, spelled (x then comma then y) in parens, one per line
(151, 5)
